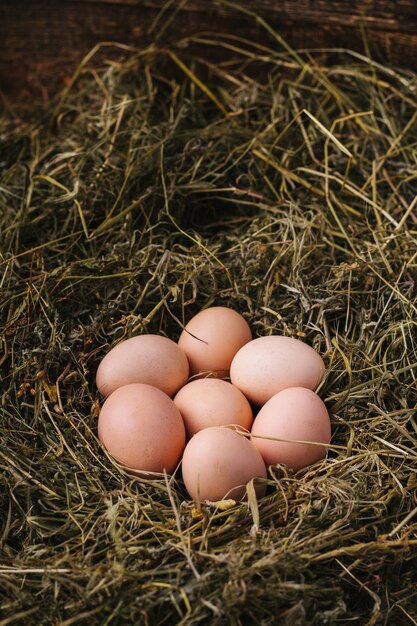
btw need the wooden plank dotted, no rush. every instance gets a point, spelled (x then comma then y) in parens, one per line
(393, 16)
(42, 41)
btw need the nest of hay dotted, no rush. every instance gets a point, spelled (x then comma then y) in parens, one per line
(158, 184)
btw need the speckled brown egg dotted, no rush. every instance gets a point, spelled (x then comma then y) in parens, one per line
(149, 359)
(267, 365)
(296, 414)
(140, 426)
(212, 402)
(218, 463)
(211, 339)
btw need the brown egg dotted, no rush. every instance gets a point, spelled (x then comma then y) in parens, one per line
(296, 414)
(141, 428)
(267, 365)
(212, 402)
(211, 339)
(148, 359)
(218, 462)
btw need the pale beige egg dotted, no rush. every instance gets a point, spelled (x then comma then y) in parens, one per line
(149, 359)
(218, 463)
(212, 402)
(295, 414)
(267, 365)
(140, 426)
(211, 339)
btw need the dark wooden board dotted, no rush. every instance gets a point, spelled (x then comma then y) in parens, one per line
(42, 41)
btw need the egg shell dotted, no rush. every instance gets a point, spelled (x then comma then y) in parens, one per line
(267, 365)
(211, 339)
(212, 402)
(141, 428)
(148, 359)
(298, 414)
(218, 462)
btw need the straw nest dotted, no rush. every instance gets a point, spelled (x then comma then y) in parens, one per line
(155, 185)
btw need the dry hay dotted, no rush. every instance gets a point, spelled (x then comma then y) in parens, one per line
(158, 184)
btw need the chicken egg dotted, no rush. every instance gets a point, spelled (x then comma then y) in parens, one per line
(211, 339)
(218, 463)
(267, 365)
(149, 359)
(297, 414)
(140, 426)
(209, 402)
